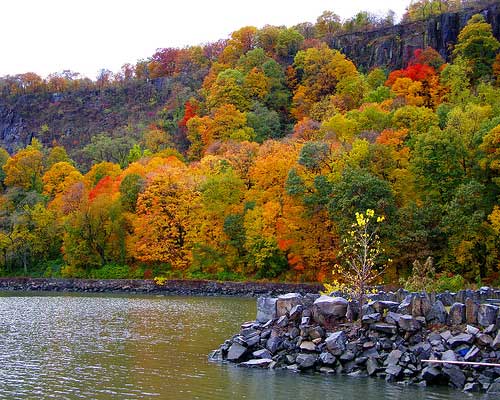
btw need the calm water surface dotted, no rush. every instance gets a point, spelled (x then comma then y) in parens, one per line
(118, 347)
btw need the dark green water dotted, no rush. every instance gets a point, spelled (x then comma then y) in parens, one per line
(118, 347)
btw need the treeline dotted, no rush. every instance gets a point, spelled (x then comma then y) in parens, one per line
(278, 156)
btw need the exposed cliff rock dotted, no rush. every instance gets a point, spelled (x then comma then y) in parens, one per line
(393, 46)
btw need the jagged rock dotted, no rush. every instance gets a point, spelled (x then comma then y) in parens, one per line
(371, 366)
(409, 324)
(393, 357)
(460, 339)
(282, 321)
(472, 330)
(437, 313)
(484, 340)
(431, 374)
(285, 303)
(380, 306)
(384, 328)
(296, 312)
(236, 352)
(455, 376)
(449, 355)
(256, 363)
(305, 361)
(326, 308)
(316, 332)
(457, 314)
(327, 358)
(263, 353)
(487, 314)
(496, 342)
(347, 356)
(494, 387)
(273, 344)
(394, 370)
(266, 309)
(392, 318)
(472, 387)
(336, 342)
(371, 318)
(420, 306)
(471, 308)
(406, 305)
(446, 298)
(308, 346)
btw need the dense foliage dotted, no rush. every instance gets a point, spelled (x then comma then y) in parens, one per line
(257, 165)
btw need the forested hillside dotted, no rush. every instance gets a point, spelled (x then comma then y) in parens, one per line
(248, 158)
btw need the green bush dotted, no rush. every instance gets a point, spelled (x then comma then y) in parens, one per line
(111, 271)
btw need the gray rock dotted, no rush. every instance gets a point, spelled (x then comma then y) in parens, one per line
(496, 342)
(305, 361)
(316, 332)
(420, 306)
(380, 306)
(266, 309)
(472, 330)
(394, 370)
(326, 308)
(327, 358)
(460, 339)
(484, 340)
(273, 344)
(406, 305)
(371, 366)
(472, 387)
(263, 353)
(494, 387)
(308, 346)
(285, 303)
(257, 363)
(455, 376)
(431, 374)
(487, 314)
(282, 321)
(437, 313)
(336, 342)
(296, 312)
(409, 324)
(457, 314)
(449, 355)
(392, 318)
(471, 308)
(371, 318)
(393, 357)
(384, 328)
(236, 352)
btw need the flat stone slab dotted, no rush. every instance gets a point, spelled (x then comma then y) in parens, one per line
(257, 363)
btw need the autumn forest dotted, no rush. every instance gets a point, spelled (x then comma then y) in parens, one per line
(256, 162)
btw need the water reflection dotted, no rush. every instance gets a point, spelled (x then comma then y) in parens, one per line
(116, 347)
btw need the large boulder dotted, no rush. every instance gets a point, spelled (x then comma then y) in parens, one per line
(438, 313)
(285, 303)
(236, 352)
(457, 314)
(327, 309)
(266, 309)
(487, 314)
(336, 342)
(471, 308)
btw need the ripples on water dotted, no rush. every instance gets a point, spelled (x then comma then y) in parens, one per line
(116, 347)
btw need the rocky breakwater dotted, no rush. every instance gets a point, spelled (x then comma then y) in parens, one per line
(392, 341)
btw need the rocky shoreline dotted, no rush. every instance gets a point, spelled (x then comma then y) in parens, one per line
(147, 286)
(398, 332)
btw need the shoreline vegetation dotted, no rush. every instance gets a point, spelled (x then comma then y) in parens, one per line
(256, 158)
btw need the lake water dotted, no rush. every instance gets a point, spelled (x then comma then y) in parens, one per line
(123, 347)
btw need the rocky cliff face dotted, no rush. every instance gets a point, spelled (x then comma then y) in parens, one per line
(393, 46)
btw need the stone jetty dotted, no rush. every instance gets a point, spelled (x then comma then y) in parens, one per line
(397, 332)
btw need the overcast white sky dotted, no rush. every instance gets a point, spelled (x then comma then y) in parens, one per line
(86, 35)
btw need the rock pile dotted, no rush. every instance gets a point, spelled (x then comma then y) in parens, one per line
(315, 333)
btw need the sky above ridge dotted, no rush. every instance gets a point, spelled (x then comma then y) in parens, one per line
(85, 36)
